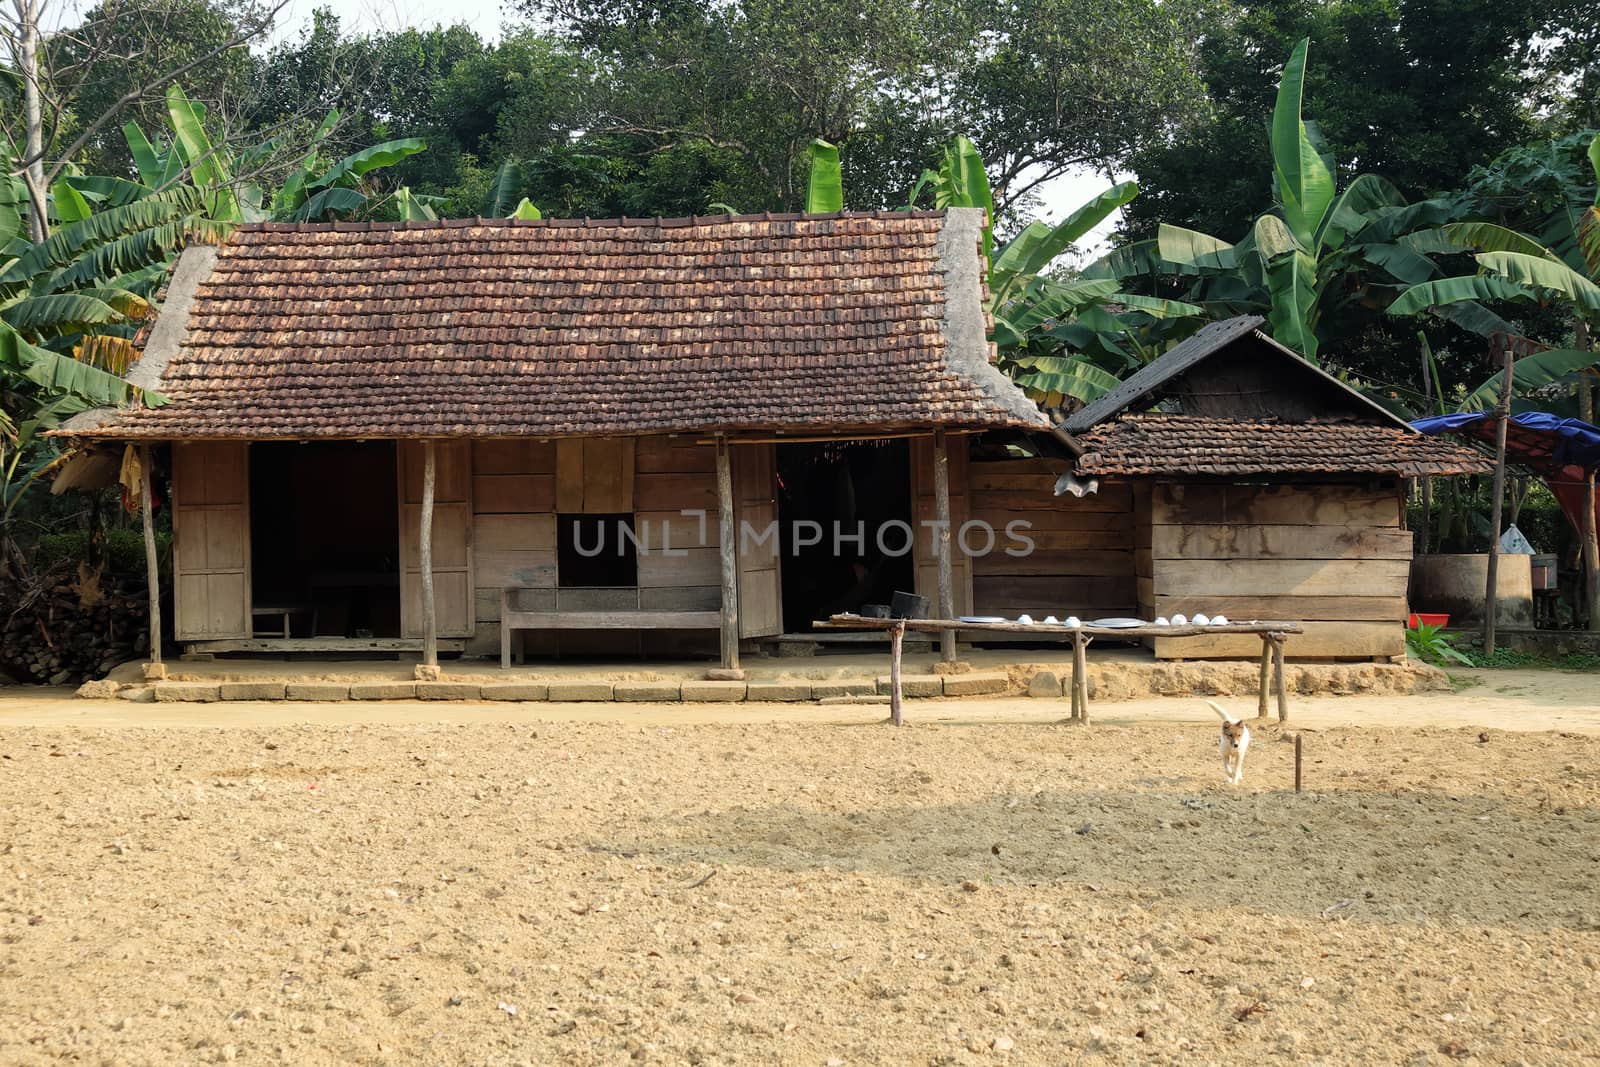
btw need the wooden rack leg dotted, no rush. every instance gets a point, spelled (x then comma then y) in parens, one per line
(1080, 676)
(1266, 676)
(1278, 672)
(896, 639)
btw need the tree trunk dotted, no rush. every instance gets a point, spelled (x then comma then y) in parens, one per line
(32, 118)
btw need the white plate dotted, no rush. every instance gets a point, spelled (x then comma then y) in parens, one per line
(1118, 624)
(981, 618)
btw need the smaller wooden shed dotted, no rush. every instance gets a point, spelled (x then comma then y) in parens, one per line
(1263, 488)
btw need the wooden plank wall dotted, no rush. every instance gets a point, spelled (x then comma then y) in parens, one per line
(925, 508)
(1082, 561)
(452, 539)
(1332, 556)
(519, 487)
(211, 540)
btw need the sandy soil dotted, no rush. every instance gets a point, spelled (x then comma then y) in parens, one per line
(603, 892)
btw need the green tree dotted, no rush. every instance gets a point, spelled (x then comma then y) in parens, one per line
(1419, 91)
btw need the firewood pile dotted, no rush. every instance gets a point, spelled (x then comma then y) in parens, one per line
(58, 631)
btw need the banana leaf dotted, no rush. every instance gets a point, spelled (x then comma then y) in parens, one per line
(108, 191)
(329, 201)
(56, 373)
(1487, 237)
(1445, 291)
(57, 313)
(207, 162)
(1530, 373)
(1050, 377)
(1356, 208)
(505, 191)
(526, 210)
(825, 188)
(1191, 248)
(1156, 307)
(377, 157)
(1036, 247)
(1304, 182)
(1293, 285)
(1534, 271)
(65, 245)
(67, 204)
(409, 208)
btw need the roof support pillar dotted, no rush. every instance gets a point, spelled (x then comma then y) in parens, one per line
(430, 624)
(152, 568)
(728, 546)
(941, 546)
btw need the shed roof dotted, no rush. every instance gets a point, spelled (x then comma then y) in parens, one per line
(1208, 341)
(826, 324)
(1160, 444)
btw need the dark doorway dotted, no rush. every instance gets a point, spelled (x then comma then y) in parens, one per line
(843, 488)
(325, 539)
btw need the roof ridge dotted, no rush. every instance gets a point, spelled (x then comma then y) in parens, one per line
(655, 221)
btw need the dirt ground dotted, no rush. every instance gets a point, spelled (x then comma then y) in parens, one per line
(801, 886)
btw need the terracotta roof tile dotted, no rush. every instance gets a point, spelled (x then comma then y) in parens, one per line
(504, 327)
(1155, 444)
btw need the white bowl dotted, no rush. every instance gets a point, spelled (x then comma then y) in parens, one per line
(1072, 620)
(1200, 620)
(1025, 620)
(1161, 620)
(1180, 620)
(1051, 620)
(1219, 620)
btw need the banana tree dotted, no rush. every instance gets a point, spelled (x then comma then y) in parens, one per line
(1058, 337)
(1517, 267)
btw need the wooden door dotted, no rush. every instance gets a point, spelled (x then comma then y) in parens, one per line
(755, 518)
(925, 509)
(452, 538)
(211, 540)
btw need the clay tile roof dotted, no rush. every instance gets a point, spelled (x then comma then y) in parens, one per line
(504, 327)
(1156, 444)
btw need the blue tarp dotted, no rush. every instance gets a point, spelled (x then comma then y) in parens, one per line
(1566, 442)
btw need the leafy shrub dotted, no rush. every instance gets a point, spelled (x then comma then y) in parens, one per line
(124, 550)
(1431, 645)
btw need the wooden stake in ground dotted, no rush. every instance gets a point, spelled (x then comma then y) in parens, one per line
(1297, 738)
(730, 565)
(430, 628)
(1502, 414)
(1080, 677)
(152, 569)
(896, 641)
(941, 503)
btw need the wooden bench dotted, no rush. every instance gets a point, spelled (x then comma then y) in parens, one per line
(513, 618)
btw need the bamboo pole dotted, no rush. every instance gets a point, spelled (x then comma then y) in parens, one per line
(1591, 543)
(941, 501)
(430, 628)
(730, 567)
(896, 640)
(1502, 414)
(152, 568)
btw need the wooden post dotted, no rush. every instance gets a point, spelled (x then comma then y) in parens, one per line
(152, 568)
(430, 628)
(941, 501)
(1590, 542)
(1297, 762)
(1502, 414)
(896, 639)
(1072, 684)
(1278, 672)
(1266, 676)
(1080, 675)
(730, 560)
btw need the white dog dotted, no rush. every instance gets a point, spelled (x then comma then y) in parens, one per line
(1234, 743)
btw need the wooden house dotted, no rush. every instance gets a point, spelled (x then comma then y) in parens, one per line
(676, 434)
